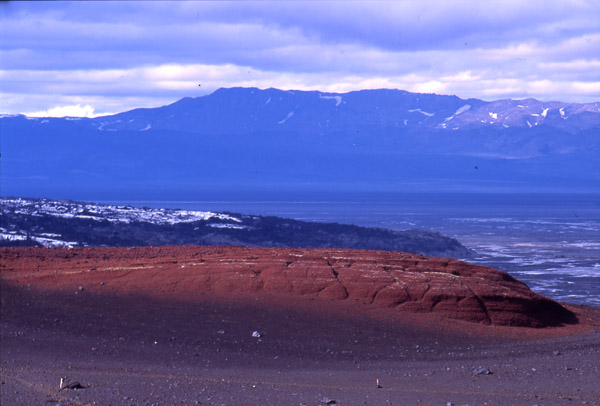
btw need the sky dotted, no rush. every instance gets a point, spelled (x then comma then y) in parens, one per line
(90, 58)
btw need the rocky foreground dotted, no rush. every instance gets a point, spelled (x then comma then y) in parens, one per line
(233, 325)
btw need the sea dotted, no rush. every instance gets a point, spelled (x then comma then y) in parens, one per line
(549, 241)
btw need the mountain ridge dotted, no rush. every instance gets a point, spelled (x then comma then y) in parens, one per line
(250, 139)
(398, 108)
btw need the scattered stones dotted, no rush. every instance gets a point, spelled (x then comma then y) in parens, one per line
(328, 401)
(482, 371)
(66, 384)
(256, 334)
(80, 288)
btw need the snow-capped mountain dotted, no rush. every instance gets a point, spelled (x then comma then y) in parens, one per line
(246, 139)
(242, 110)
(76, 224)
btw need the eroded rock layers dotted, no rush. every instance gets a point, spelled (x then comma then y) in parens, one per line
(384, 279)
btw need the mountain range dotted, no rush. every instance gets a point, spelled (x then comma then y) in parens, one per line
(247, 140)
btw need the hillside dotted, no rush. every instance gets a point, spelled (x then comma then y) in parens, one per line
(28, 222)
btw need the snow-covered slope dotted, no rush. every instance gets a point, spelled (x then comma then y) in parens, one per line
(75, 224)
(99, 213)
(111, 213)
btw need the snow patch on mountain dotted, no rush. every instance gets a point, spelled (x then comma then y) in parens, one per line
(338, 99)
(289, 115)
(422, 112)
(460, 110)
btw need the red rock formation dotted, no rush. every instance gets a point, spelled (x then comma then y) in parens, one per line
(382, 279)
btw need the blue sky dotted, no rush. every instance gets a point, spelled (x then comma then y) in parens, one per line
(93, 58)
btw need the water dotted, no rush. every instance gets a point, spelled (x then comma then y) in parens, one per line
(550, 242)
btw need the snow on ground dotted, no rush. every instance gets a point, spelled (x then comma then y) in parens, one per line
(12, 236)
(45, 239)
(51, 242)
(225, 225)
(112, 213)
(97, 212)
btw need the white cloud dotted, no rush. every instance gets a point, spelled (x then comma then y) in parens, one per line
(109, 55)
(65, 111)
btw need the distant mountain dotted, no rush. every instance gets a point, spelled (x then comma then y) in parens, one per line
(250, 139)
(243, 110)
(30, 222)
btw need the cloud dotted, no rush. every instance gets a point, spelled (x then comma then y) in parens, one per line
(65, 111)
(118, 53)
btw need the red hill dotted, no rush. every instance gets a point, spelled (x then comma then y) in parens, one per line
(396, 281)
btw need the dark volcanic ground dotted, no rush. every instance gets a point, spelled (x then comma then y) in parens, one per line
(135, 349)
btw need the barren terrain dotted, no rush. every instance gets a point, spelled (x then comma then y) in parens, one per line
(232, 326)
